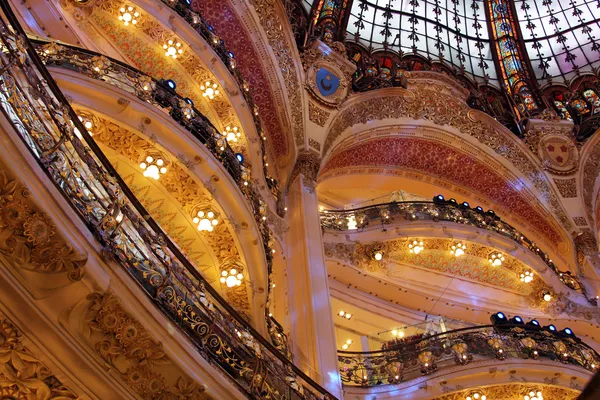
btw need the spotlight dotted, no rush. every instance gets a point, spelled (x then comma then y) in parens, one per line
(533, 322)
(239, 157)
(516, 320)
(189, 101)
(465, 204)
(499, 319)
(567, 332)
(551, 328)
(170, 83)
(439, 199)
(478, 208)
(452, 201)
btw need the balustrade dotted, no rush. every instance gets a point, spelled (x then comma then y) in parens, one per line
(416, 356)
(441, 210)
(43, 119)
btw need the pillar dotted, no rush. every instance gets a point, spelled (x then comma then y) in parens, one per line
(311, 319)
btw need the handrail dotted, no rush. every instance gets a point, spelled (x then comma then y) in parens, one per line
(50, 128)
(448, 211)
(410, 359)
(160, 95)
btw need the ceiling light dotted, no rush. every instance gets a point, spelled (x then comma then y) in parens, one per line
(172, 48)
(547, 296)
(398, 333)
(352, 222)
(458, 249)
(153, 167)
(416, 247)
(206, 220)
(232, 134)
(345, 346)
(496, 259)
(209, 89)
(527, 276)
(231, 278)
(476, 396)
(128, 15)
(533, 395)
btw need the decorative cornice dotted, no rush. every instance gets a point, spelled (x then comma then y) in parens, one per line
(307, 164)
(514, 391)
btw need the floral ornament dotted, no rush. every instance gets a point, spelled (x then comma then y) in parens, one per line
(100, 64)
(51, 49)
(529, 346)
(38, 229)
(561, 350)
(461, 353)
(427, 361)
(14, 214)
(7, 188)
(496, 343)
(187, 390)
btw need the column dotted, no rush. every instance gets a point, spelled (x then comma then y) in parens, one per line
(311, 319)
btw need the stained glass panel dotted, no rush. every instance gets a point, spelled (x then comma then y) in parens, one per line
(453, 31)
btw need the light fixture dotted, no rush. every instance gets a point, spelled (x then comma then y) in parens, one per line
(527, 276)
(398, 333)
(416, 247)
(533, 395)
(344, 314)
(496, 259)
(171, 84)
(547, 296)
(377, 253)
(209, 89)
(187, 109)
(172, 48)
(458, 249)
(153, 167)
(475, 395)
(206, 220)
(347, 344)
(240, 157)
(128, 15)
(231, 278)
(232, 134)
(352, 222)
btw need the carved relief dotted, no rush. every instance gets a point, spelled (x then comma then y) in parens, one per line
(307, 164)
(314, 144)
(515, 391)
(328, 74)
(22, 375)
(129, 350)
(580, 221)
(566, 187)
(28, 236)
(554, 144)
(317, 115)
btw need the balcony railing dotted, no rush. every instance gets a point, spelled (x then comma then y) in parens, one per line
(415, 357)
(47, 125)
(203, 28)
(160, 95)
(441, 210)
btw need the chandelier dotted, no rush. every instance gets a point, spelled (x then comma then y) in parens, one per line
(153, 167)
(128, 15)
(527, 276)
(232, 134)
(209, 89)
(416, 247)
(496, 259)
(231, 278)
(172, 48)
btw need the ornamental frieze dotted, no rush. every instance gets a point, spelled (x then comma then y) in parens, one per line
(514, 391)
(29, 240)
(23, 375)
(442, 109)
(128, 350)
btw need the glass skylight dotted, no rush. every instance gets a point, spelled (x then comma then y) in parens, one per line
(453, 31)
(561, 36)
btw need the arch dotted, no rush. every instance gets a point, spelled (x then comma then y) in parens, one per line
(428, 161)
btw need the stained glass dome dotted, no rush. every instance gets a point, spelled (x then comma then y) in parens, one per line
(454, 31)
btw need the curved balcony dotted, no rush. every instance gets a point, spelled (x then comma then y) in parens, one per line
(381, 215)
(415, 356)
(50, 129)
(162, 96)
(195, 20)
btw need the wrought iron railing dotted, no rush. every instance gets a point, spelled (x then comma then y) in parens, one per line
(411, 359)
(441, 210)
(43, 119)
(206, 31)
(160, 95)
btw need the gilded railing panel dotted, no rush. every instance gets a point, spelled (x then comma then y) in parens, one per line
(57, 139)
(425, 355)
